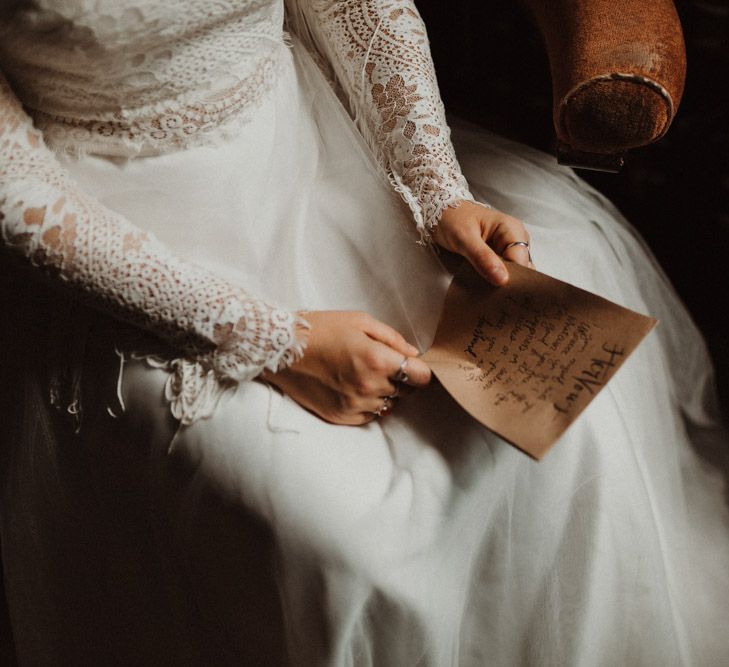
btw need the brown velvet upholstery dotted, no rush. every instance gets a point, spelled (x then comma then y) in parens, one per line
(618, 70)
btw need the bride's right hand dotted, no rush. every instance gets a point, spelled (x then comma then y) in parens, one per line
(348, 366)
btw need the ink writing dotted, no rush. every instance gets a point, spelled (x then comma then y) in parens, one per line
(526, 355)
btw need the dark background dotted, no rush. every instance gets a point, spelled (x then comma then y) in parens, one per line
(493, 70)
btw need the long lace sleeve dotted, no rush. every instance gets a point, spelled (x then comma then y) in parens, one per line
(225, 334)
(380, 55)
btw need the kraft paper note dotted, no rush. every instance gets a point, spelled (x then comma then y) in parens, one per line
(527, 358)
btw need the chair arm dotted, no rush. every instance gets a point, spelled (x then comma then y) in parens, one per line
(618, 71)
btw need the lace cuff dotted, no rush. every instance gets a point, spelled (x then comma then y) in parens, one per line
(380, 55)
(226, 334)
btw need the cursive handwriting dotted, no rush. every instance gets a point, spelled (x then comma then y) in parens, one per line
(592, 377)
(480, 336)
(526, 353)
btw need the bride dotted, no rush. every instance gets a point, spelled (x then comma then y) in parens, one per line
(217, 286)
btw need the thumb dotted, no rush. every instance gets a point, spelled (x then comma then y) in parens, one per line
(484, 259)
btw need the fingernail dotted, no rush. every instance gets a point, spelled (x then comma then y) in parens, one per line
(497, 274)
(414, 351)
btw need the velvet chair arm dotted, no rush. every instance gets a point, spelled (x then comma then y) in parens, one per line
(618, 71)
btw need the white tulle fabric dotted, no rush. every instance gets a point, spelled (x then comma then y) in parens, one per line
(135, 79)
(265, 536)
(378, 51)
(123, 79)
(228, 335)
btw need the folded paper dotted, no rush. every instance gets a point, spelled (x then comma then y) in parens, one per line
(527, 358)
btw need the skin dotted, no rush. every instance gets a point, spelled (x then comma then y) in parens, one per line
(351, 357)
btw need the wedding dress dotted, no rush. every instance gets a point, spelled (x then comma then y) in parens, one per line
(186, 178)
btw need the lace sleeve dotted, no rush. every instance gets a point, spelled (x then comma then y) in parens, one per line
(126, 272)
(380, 55)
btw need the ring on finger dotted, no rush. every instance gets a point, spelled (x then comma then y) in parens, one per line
(515, 244)
(401, 375)
(385, 408)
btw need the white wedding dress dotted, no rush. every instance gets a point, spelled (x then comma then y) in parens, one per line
(202, 166)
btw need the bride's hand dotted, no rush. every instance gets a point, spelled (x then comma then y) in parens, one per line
(480, 234)
(347, 369)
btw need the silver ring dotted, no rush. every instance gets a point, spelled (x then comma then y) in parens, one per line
(385, 407)
(515, 243)
(401, 375)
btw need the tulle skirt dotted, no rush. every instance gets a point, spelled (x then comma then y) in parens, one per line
(263, 535)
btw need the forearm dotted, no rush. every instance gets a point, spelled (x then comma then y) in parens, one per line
(380, 53)
(104, 259)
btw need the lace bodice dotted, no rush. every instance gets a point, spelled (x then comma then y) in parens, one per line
(226, 334)
(126, 78)
(130, 77)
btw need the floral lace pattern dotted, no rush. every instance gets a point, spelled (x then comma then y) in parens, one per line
(145, 77)
(121, 78)
(226, 334)
(379, 51)
(176, 126)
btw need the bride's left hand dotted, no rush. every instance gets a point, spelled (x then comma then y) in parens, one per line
(480, 234)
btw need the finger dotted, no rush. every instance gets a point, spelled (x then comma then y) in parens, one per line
(324, 402)
(349, 410)
(375, 386)
(353, 419)
(484, 259)
(389, 336)
(397, 390)
(418, 372)
(312, 396)
(510, 231)
(518, 254)
(380, 407)
(381, 366)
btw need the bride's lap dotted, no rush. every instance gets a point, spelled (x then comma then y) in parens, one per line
(319, 485)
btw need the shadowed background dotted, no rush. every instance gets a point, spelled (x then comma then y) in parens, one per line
(493, 71)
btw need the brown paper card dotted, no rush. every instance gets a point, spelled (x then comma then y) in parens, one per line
(527, 358)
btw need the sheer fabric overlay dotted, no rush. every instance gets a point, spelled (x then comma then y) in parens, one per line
(103, 79)
(379, 53)
(228, 335)
(263, 535)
